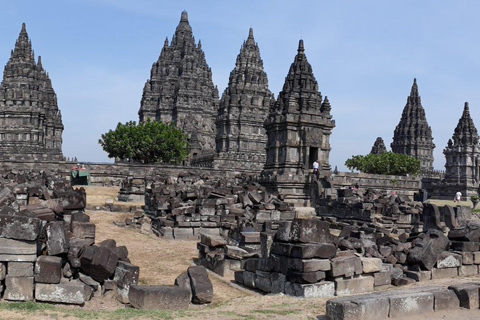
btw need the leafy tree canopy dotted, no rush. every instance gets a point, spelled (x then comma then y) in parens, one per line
(147, 142)
(388, 163)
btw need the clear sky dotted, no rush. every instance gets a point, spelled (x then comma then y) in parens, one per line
(364, 55)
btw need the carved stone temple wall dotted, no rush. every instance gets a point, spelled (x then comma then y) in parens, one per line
(30, 122)
(298, 127)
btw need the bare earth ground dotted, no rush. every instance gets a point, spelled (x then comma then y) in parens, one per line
(161, 261)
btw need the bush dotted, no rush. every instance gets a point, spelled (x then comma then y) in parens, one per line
(148, 142)
(388, 163)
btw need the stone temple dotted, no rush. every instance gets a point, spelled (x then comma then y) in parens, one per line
(413, 135)
(180, 90)
(30, 122)
(298, 127)
(244, 106)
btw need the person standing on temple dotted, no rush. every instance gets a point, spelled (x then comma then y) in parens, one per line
(458, 197)
(315, 168)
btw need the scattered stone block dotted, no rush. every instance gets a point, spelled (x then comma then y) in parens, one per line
(382, 278)
(354, 285)
(419, 276)
(445, 300)
(56, 238)
(159, 297)
(83, 230)
(3, 270)
(18, 288)
(19, 227)
(48, 269)
(371, 265)
(444, 273)
(20, 269)
(410, 304)
(309, 265)
(72, 292)
(202, 288)
(313, 250)
(427, 252)
(98, 262)
(449, 260)
(468, 270)
(11, 246)
(346, 266)
(366, 307)
(126, 275)
(321, 289)
(468, 294)
(310, 231)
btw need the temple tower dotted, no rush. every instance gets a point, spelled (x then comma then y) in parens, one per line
(462, 155)
(181, 90)
(241, 138)
(298, 127)
(30, 122)
(378, 147)
(413, 135)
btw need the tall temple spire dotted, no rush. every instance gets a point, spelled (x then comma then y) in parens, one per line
(298, 128)
(33, 128)
(462, 155)
(181, 90)
(413, 135)
(243, 109)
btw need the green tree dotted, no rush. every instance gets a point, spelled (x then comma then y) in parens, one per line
(147, 142)
(385, 163)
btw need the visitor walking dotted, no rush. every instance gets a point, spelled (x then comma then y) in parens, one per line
(458, 197)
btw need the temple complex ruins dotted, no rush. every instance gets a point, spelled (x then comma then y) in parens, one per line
(30, 122)
(413, 135)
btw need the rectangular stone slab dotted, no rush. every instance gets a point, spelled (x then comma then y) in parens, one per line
(11, 246)
(410, 304)
(368, 307)
(18, 257)
(68, 292)
(159, 297)
(20, 228)
(18, 288)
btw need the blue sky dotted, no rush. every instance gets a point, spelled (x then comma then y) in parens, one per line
(364, 55)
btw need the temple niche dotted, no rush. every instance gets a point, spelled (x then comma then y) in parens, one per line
(298, 128)
(244, 106)
(413, 135)
(181, 90)
(31, 125)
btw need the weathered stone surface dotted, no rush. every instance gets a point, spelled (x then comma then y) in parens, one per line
(315, 290)
(98, 262)
(410, 304)
(468, 294)
(305, 277)
(418, 276)
(444, 273)
(57, 242)
(202, 288)
(449, 260)
(126, 275)
(159, 297)
(468, 270)
(3, 270)
(20, 228)
(18, 288)
(354, 285)
(83, 230)
(72, 292)
(20, 269)
(371, 265)
(48, 269)
(310, 231)
(313, 250)
(309, 265)
(364, 307)
(18, 257)
(426, 254)
(346, 266)
(445, 300)
(11, 246)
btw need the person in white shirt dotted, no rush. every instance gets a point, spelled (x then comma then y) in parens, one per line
(458, 196)
(315, 168)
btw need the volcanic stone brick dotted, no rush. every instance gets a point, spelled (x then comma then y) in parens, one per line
(3, 270)
(313, 250)
(56, 238)
(476, 257)
(263, 281)
(315, 290)
(418, 276)
(202, 288)
(305, 277)
(20, 269)
(98, 262)
(426, 254)
(126, 274)
(444, 273)
(467, 257)
(449, 260)
(278, 282)
(371, 265)
(382, 278)
(238, 276)
(309, 265)
(346, 266)
(11, 246)
(284, 249)
(18, 288)
(464, 246)
(249, 279)
(468, 270)
(468, 294)
(159, 297)
(354, 285)
(310, 231)
(266, 241)
(366, 307)
(410, 304)
(445, 300)
(72, 292)
(183, 281)
(48, 269)
(20, 228)
(83, 230)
